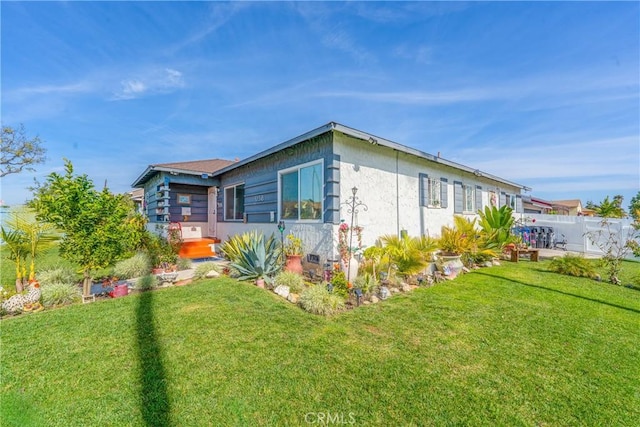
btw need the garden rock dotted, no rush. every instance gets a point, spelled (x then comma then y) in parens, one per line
(282, 290)
(293, 298)
(384, 292)
(212, 274)
(374, 299)
(406, 287)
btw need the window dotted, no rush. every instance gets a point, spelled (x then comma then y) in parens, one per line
(434, 192)
(301, 192)
(234, 203)
(467, 198)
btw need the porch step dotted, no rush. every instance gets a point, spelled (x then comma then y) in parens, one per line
(198, 248)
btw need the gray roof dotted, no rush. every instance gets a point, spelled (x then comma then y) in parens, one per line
(196, 167)
(372, 139)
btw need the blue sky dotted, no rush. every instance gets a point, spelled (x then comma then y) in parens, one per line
(543, 94)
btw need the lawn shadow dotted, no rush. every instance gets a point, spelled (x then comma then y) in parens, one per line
(154, 400)
(531, 285)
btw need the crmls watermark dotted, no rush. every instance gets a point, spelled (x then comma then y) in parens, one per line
(330, 418)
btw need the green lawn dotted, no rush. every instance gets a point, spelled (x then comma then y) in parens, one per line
(509, 345)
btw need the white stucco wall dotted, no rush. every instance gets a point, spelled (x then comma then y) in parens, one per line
(388, 183)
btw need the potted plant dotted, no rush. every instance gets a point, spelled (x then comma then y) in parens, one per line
(452, 244)
(293, 254)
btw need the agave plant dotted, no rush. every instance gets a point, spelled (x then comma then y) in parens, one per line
(496, 223)
(253, 255)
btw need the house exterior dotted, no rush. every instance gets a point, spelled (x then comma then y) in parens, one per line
(571, 207)
(308, 183)
(535, 205)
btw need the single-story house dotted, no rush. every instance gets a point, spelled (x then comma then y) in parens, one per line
(571, 207)
(308, 182)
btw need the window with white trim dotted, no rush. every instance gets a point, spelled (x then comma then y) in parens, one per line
(434, 194)
(468, 198)
(300, 195)
(234, 203)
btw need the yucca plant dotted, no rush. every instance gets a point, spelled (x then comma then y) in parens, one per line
(253, 255)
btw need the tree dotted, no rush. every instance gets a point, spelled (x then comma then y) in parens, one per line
(99, 227)
(26, 237)
(608, 208)
(634, 207)
(19, 151)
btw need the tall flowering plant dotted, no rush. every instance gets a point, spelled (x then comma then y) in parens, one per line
(344, 238)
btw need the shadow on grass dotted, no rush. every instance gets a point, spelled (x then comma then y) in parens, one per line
(531, 285)
(154, 400)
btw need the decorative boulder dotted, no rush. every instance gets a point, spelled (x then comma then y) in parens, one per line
(374, 299)
(282, 290)
(212, 274)
(293, 298)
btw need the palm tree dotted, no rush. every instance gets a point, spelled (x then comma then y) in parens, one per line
(28, 238)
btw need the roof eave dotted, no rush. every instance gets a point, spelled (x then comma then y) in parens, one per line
(151, 169)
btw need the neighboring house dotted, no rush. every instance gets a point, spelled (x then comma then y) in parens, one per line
(307, 182)
(535, 205)
(570, 207)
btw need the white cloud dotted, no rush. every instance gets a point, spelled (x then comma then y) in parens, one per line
(153, 81)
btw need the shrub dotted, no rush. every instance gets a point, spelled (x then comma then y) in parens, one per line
(184, 264)
(57, 275)
(147, 282)
(340, 285)
(59, 293)
(318, 300)
(367, 283)
(294, 281)
(573, 265)
(136, 266)
(203, 268)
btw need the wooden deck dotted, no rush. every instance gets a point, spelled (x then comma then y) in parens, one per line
(204, 247)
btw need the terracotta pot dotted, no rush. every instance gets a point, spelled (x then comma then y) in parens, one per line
(260, 283)
(294, 264)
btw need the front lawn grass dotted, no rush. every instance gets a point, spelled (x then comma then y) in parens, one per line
(507, 345)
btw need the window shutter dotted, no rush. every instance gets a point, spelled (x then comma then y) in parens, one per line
(503, 199)
(478, 198)
(457, 197)
(443, 193)
(518, 207)
(423, 189)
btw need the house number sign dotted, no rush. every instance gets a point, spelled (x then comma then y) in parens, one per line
(258, 198)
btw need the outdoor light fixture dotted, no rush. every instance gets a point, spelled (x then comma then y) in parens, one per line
(358, 293)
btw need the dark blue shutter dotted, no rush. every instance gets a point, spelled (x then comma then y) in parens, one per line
(423, 189)
(443, 193)
(457, 197)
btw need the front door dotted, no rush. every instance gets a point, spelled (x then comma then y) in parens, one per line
(212, 206)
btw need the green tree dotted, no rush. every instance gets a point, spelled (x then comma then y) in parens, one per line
(634, 207)
(25, 238)
(99, 227)
(19, 151)
(608, 208)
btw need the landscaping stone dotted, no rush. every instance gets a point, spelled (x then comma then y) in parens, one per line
(374, 299)
(406, 287)
(293, 298)
(212, 274)
(384, 293)
(367, 302)
(282, 290)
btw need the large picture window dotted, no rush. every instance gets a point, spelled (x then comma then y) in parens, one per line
(301, 192)
(234, 203)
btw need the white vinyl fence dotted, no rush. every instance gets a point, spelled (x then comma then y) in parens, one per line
(576, 230)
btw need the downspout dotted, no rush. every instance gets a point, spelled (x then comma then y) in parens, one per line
(397, 195)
